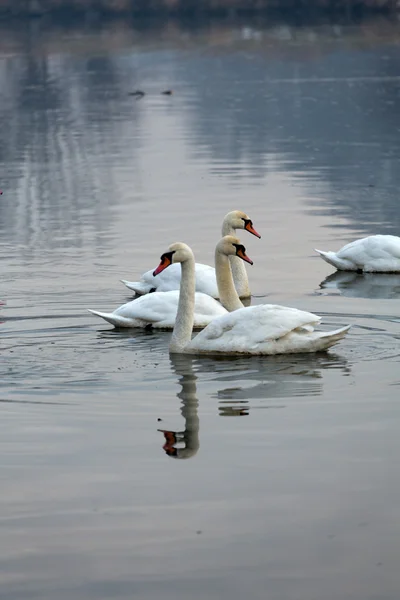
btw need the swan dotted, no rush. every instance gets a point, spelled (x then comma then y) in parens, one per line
(158, 310)
(372, 254)
(262, 329)
(205, 275)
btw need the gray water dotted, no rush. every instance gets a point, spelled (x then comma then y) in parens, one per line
(297, 497)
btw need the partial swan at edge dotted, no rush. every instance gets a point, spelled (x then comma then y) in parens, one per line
(372, 254)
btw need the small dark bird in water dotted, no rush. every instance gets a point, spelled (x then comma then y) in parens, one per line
(167, 93)
(137, 93)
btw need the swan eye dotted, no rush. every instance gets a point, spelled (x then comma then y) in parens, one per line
(165, 261)
(167, 257)
(241, 253)
(248, 225)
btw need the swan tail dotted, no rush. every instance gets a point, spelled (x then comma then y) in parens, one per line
(137, 286)
(115, 320)
(341, 264)
(330, 257)
(329, 338)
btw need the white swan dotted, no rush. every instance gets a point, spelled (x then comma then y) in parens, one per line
(205, 275)
(263, 329)
(372, 254)
(158, 310)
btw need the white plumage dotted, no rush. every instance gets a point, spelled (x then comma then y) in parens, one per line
(372, 254)
(205, 275)
(263, 329)
(159, 310)
(171, 278)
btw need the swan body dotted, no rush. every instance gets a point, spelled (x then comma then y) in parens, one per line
(159, 310)
(205, 281)
(265, 329)
(205, 275)
(372, 254)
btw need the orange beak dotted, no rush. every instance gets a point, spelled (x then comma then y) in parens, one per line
(165, 262)
(170, 440)
(249, 227)
(244, 256)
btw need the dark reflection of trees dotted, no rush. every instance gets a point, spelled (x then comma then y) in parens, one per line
(58, 121)
(307, 94)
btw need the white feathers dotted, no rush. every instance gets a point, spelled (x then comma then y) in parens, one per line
(373, 254)
(170, 279)
(159, 310)
(264, 329)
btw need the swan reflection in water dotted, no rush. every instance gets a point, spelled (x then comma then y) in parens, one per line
(255, 378)
(366, 285)
(184, 444)
(246, 379)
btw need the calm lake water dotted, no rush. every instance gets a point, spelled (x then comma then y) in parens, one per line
(297, 497)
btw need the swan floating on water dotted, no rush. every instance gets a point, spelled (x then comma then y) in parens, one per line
(158, 310)
(372, 254)
(263, 329)
(205, 275)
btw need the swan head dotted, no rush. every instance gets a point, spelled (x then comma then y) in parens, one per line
(231, 246)
(177, 253)
(172, 438)
(239, 220)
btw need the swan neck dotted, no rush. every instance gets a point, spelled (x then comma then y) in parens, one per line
(227, 228)
(226, 289)
(239, 272)
(189, 411)
(182, 332)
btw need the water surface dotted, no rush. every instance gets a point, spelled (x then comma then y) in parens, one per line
(297, 496)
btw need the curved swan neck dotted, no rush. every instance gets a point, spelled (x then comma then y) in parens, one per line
(227, 228)
(226, 290)
(239, 272)
(182, 332)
